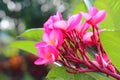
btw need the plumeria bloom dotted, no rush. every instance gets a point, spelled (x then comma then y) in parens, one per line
(53, 37)
(67, 42)
(49, 23)
(47, 53)
(72, 22)
(94, 16)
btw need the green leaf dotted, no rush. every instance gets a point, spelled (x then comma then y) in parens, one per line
(33, 34)
(100, 76)
(83, 5)
(60, 73)
(112, 8)
(111, 43)
(28, 46)
(80, 7)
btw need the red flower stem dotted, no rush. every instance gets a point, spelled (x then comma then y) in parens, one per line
(76, 69)
(106, 71)
(115, 75)
(97, 42)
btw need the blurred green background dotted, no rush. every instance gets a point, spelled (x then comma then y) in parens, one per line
(16, 16)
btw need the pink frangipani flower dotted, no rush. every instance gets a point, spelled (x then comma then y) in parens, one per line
(72, 22)
(48, 25)
(69, 42)
(54, 37)
(94, 16)
(47, 53)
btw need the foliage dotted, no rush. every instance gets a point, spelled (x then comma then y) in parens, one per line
(60, 73)
(33, 34)
(113, 10)
(110, 40)
(25, 45)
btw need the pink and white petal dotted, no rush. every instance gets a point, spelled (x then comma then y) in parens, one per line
(73, 21)
(48, 22)
(87, 38)
(78, 27)
(61, 25)
(59, 15)
(105, 57)
(93, 11)
(60, 39)
(96, 63)
(46, 37)
(41, 52)
(53, 57)
(99, 17)
(84, 28)
(54, 52)
(86, 16)
(40, 44)
(97, 57)
(55, 18)
(111, 67)
(41, 61)
(54, 35)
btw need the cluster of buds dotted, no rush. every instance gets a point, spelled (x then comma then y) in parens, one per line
(67, 42)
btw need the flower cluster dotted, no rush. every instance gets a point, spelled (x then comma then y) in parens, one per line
(67, 41)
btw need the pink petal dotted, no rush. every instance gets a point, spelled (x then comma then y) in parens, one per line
(53, 57)
(48, 23)
(45, 37)
(96, 63)
(78, 28)
(40, 44)
(111, 67)
(54, 35)
(59, 15)
(87, 38)
(60, 38)
(57, 37)
(93, 11)
(61, 25)
(84, 28)
(73, 21)
(41, 61)
(40, 49)
(99, 16)
(86, 15)
(105, 57)
(50, 50)
(41, 53)
(97, 57)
